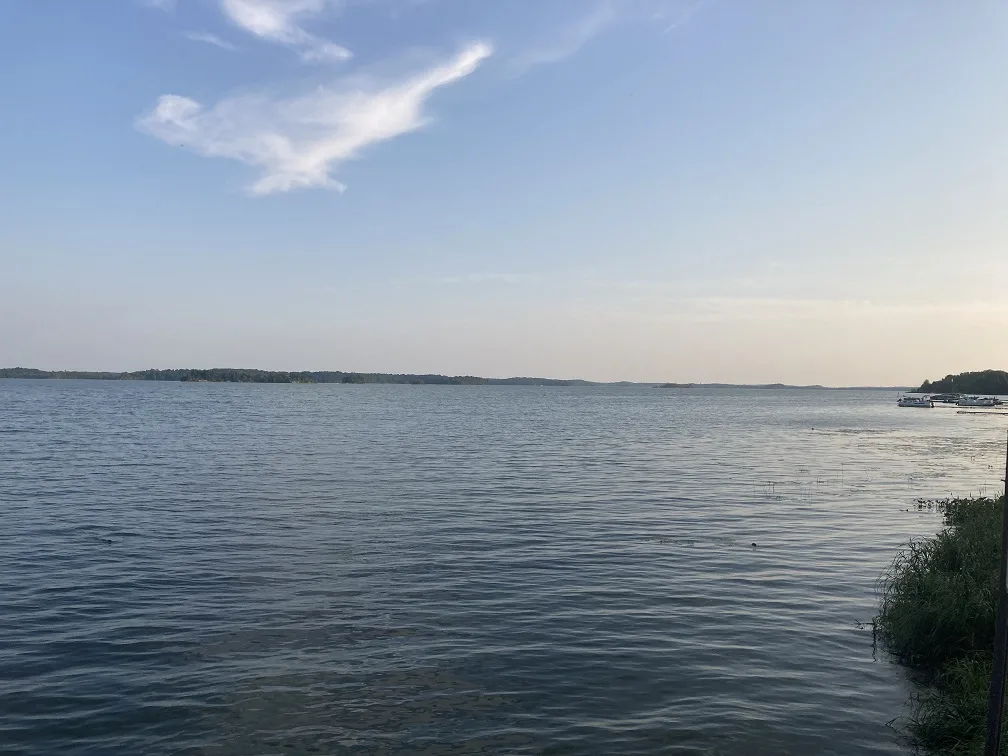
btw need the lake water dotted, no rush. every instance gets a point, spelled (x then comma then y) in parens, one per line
(238, 569)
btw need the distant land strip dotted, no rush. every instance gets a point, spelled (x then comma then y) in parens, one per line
(245, 375)
(248, 375)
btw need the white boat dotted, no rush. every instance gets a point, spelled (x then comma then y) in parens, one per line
(915, 401)
(976, 401)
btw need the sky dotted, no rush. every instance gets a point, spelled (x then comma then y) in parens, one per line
(650, 190)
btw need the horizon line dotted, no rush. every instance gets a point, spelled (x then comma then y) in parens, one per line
(70, 374)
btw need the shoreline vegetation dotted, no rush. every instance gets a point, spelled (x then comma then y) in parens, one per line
(249, 375)
(980, 382)
(937, 610)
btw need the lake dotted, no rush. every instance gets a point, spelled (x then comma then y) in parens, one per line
(238, 569)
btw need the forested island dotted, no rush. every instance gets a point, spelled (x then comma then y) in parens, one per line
(979, 382)
(246, 375)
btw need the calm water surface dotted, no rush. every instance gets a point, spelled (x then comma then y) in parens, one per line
(239, 569)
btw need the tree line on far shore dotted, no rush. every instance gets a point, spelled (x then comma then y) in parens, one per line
(246, 375)
(979, 382)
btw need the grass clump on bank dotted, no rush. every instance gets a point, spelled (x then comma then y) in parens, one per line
(937, 612)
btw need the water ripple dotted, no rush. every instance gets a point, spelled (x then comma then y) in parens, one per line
(233, 569)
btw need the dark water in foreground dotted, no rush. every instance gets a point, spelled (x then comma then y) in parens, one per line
(237, 569)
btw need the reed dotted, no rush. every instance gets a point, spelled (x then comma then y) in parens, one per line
(938, 603)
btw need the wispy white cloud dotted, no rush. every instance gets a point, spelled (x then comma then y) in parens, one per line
(679, 15)
(210, 39)
(600, 18)
(276, 21)
(300, 141)
(165, 5)
(569, 41)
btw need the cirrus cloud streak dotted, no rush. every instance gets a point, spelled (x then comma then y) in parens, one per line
(299, 142)
(274, 21)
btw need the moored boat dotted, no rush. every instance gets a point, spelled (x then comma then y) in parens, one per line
(946, 398)
(915, 401)
(977, 401)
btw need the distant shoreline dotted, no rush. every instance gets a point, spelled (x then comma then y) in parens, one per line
(246, 375)
(990, 382)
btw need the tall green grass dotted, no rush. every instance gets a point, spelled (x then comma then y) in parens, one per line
(938, 603)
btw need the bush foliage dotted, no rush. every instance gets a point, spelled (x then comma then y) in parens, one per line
(937, 611)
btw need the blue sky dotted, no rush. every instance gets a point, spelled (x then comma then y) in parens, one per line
(609, 189)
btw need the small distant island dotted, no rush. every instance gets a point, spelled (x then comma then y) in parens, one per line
(979, 382)
(674, 385)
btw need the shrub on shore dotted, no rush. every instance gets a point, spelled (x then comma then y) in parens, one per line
(936, 614)
(950, 714)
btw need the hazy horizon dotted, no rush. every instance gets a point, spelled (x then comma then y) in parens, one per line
(507, 374)
(643, 190)
(470, 375)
